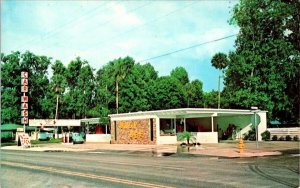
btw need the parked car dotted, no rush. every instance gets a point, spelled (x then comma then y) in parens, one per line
(45, 136)
(77, 138)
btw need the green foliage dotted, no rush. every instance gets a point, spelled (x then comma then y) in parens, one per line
(188, 136)
(6, 135)
(288, 138)
(296, 138)
(219, 61)
(181, 75)
(74, 91)
(281, 138)
(211, 100)
(36, 66)
(167, 93)
(264, 69)
(194, 94)
(80, 82)
(274, 138)
(266, 135)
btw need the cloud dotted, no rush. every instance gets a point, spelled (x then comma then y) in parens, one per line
(124, 18)
(102, 31)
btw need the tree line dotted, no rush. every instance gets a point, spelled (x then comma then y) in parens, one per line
(79, 91)
(264, 68)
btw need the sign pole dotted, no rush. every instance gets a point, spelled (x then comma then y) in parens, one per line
(24, 100)
(24, 123)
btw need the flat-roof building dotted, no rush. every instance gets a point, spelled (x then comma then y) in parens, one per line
(163, 126)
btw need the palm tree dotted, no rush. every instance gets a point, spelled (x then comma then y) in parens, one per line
(219, 61)
(120, 69)
(58, 88)
(58, 82)
(187, 136)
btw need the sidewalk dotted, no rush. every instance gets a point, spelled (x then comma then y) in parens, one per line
(219, 150)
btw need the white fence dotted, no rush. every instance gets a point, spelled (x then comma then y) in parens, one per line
(167, 139)
(207, 137)
(98, 138)
(285, 131)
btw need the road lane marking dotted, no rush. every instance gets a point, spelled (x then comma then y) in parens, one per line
(142, 165)
(162, 166)
(97, 152)
(93, 176)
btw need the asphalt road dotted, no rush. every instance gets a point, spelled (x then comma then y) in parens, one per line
(134, 169)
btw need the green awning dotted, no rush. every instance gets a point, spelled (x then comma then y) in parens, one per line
(14, 127)
(10, 127)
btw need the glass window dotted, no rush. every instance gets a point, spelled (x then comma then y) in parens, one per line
(167, 127)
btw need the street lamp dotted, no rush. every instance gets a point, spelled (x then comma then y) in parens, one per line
(255, 109)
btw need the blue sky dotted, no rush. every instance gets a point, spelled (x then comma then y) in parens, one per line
(100, 31)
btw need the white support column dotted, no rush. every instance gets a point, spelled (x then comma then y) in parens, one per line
(157, 124)
(105, 129)
(175, 125)
(212, 123)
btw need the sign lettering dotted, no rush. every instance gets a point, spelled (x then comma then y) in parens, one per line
(24, 81)
(24, 74)
(135, 134)
(24, 98)
(24, 105)
(128, 125)
(24, 101)
(24, 120)
(24, 89)
(25, 140)
(24, 113)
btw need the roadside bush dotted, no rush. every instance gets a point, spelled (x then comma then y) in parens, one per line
(274, 138)
(266, 135)
(281, 138)
(296, 138)
(288, 138)
(6, 137)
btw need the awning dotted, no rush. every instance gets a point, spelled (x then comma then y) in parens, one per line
(10, 127)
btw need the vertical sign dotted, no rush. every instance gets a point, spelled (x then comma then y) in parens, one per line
(24, 99)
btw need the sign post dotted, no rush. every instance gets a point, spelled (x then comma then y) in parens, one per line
(24, 99)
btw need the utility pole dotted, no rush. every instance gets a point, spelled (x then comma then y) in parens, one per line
(219, 95)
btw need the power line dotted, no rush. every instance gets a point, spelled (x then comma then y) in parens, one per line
(56, 30)
(109, 20)
(137, 27)
(187, 48)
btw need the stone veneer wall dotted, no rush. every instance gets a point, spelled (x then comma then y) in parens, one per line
(133, 132)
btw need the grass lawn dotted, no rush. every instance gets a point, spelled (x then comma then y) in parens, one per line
(8, 143)
(35, 142)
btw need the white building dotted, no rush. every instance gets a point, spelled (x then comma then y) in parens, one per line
(163, 126)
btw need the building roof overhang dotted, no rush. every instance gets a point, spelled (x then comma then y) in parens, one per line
(188, 113)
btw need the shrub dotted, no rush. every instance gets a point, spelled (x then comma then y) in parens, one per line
(281, 138)
(188, 136)
(296, 138)
(274, 138)
(251, 135)
(266, 135)
(288, 138)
